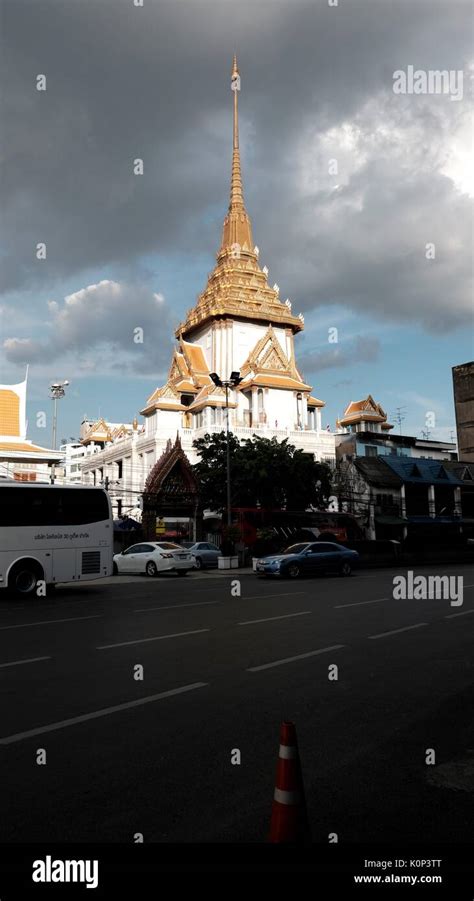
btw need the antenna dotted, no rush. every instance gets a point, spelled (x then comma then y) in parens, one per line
(399, 416)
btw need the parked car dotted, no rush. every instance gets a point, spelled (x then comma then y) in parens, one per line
(309, 558)
(205, 554)
(152, 557)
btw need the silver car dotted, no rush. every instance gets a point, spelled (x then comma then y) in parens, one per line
(153, 557)
(204, 553)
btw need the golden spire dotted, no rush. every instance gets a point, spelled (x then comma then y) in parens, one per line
(237, 287)
(237, 232)
(236, 193)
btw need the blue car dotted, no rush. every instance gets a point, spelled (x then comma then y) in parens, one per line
(309, 558)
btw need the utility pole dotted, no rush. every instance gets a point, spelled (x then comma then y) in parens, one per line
(56, 393)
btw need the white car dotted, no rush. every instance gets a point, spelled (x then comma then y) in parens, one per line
(154, 557)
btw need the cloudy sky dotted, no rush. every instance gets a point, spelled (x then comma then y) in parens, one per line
(346, 241)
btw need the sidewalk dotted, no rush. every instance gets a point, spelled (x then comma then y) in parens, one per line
(193, 574)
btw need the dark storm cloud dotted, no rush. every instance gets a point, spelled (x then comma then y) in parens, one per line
(153, 83)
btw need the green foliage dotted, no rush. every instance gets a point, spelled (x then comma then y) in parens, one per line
(264, 472)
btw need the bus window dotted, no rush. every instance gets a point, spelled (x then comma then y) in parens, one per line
(51, 506)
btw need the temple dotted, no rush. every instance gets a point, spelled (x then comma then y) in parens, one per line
(20, 459)
(238, 324)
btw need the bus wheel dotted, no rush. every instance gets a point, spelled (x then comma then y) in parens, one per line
(24, 578)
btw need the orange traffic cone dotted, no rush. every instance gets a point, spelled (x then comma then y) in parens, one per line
(289, 821)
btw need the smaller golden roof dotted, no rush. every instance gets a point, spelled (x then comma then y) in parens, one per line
(275, 381)
(25, 447)
(364, 410)
(314, 402)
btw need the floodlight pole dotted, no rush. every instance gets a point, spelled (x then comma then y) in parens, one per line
(56, 392)
(229, 513)
(231, 382)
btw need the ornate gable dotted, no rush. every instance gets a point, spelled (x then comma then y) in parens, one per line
(99, 431)
(370, 406)
(169, 391)
(274, 360)
(267, 354)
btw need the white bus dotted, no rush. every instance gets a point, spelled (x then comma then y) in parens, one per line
(53, 533)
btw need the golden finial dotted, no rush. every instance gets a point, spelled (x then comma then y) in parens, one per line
(237, 232)
(236, 194)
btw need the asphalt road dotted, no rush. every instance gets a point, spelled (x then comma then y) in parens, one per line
(220, 673)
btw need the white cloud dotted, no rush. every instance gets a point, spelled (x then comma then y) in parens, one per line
(95, 329)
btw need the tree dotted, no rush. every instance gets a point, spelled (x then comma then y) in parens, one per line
(264, 472)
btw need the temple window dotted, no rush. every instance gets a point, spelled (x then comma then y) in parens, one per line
(299, 410)
(260, 405)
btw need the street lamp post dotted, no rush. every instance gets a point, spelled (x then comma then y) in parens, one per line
(232, 382)
(56, 393)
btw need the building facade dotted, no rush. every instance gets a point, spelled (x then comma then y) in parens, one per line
(239, 324)
(396, 498)
(463, 387)
(363, 431)
(69, 471)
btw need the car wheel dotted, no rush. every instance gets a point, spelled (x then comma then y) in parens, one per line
(198, 563)
(115, 569)
(346, 569)
(293, 571)
(151, 569)
(24, 577)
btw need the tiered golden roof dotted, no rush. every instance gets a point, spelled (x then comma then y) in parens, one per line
(237, 287)
(188, 374)
(364, 410)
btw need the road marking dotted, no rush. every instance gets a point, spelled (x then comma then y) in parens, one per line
(268, 619)
(396, 631)
(122, 644)
(256, 669)
(63, 724)
(281, 594)
(19, 662)
(46, 622)
(360, 603)
(464, 613)
(175, 606)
